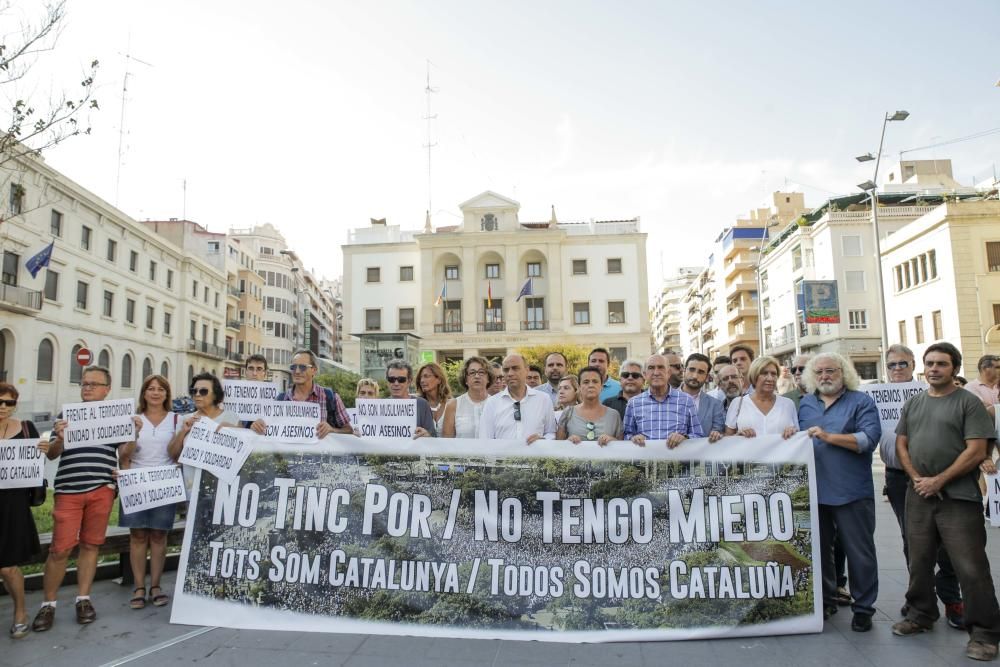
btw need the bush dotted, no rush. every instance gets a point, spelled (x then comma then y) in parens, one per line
(576, 357)
(345, 383)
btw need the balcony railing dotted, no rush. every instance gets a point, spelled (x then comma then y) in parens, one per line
(206, 348)
(534, 325)
(448, 327)
(235, 291)
(20, 298)
(234, 356)
(234, 324)
(491, 326)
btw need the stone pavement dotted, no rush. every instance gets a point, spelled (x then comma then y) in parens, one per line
(123, 636)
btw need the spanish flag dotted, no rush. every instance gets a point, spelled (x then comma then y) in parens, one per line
(489, 294)
(443, 295)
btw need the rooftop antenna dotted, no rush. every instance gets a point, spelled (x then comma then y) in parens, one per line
(121, 122)
(428, 91)
(184, 200)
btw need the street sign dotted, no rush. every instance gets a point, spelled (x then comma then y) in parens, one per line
(821, 303)
(84, 356)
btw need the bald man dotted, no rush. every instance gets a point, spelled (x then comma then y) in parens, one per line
(519, 412)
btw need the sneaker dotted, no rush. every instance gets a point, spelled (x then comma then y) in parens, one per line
(979, 650)
(861, 622)
(44, 619)
(843, 597)
(955, 613)
(85, 612)
(908, 628)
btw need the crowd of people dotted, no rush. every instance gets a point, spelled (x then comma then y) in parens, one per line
(942, 443)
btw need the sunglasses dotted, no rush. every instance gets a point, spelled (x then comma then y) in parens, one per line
(9, 402)
(898, 364)
(517, 411)
(630, 375)
(591, 431)
(199, 391)
(299, 368)
(395, 379)
(796, 370)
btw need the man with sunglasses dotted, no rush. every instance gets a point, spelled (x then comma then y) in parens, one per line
(333, 414)
(987, 385)
(661, 414)
(710, 412)
(632, 382)
(797, 370)
(518, 412)
(399, 374)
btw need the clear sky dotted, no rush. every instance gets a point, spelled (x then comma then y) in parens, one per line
(309, 115)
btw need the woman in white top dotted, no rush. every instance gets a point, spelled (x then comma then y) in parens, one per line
(762, 411)
(461, 415)
(148, 528)
(432, 386)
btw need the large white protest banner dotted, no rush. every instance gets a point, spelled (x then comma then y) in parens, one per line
(386, 417)
(247, 398)
(145, 488)
(220, 452)
(993, 498)
(467, 538)
(889, 398)
(291, 421)
(22, 464)
(98, 423)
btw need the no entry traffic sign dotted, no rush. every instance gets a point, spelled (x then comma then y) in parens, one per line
(84, 356)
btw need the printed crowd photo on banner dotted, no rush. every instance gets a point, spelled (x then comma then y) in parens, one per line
(550, 542)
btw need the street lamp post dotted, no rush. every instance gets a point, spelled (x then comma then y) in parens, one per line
(872, 188)
(760, 305)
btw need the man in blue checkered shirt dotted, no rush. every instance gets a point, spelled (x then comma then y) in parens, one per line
(660, 413)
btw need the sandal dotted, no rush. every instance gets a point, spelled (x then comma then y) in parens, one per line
(19, 630)
(138, 601)
(160, 599)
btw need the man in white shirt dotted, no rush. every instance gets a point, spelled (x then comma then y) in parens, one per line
(518, 412)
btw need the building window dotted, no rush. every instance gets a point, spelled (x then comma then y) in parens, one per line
(493, 271)
(133, 261)
(581, 313)
(851, 245)
(854, 281)
(85, 234)
(616, 312)
(130, 311)
(56, 223)
(493, 315)
(534, 269)
(918, 326)
(109, 303)
(51, 285)
(104, 359)
(615, 265)
(374, 274)
(451, 273)
(43, 369)
(75, 369)
(867, 370)
(938, 327)
(126, 371)
(205, 298)
(16, 198)
(165, 370)
(152, 271)
(170, 278)
(534, 314)
(112, 253)
(213, 247)
(81, 296)
(488, 223)
(405, 274)
(10, 263)
(996, 313)
(406, 319)
(902, 332)
(194, 289)
(857, 319)
(619, 354)
(932, 263)
(166, 324)
(579, 267)
(373, 319)
(796, 258)
(763, 281)
(766, 306)
(150, 315)
(453, 315)
(216, 299)
(993, 255)
(147, 368)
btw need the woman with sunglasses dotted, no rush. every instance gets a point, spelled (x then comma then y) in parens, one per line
(18, 535)
(590, 420)
(148, 529)
(461, 416)
(206, 390)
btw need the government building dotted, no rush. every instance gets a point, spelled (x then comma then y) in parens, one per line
(452, 292)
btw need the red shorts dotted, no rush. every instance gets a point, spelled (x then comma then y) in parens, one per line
(81, 518)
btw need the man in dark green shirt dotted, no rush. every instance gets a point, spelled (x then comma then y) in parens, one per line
(941, 444)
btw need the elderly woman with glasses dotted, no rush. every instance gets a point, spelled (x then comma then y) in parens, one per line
(206, 390)
(461, 416)
(590, 420)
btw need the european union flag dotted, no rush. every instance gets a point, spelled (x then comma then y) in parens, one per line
(37, 262)
(525, 290)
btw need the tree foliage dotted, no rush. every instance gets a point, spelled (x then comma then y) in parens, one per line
(576, 356)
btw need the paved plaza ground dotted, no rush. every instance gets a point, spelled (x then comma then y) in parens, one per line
(123, 636)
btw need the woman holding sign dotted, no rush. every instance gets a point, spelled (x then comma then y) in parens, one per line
(206, 389)
(148, 528)
(18, 536)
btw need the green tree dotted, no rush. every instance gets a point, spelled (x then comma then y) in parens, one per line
(576, 356)
(345, 383)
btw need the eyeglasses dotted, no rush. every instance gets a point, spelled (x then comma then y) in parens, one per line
(9, 402)
(199, 391)
(796, 370)
(517, 411)
(396, 379)
(476, 374)
(591, 431)
(299, 368)
(898, 364)
(827, 371)
(630, 375)
(91, 385)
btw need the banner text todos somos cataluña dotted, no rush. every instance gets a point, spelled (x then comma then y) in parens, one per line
(466, 538)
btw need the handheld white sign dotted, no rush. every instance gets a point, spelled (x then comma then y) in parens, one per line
(22, 464)
(221, 452)
(247, 397)
(387, 417)
(145, 488)
(98, 423)
(291, 421)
